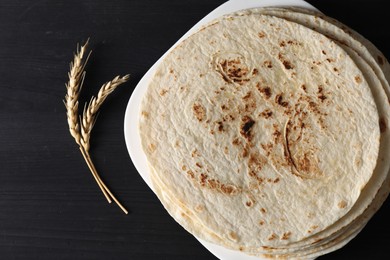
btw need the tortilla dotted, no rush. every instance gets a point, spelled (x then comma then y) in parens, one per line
(253, 131)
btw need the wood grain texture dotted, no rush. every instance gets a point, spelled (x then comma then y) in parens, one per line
(50, 206)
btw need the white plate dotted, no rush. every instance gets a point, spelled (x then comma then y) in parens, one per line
(132, 137)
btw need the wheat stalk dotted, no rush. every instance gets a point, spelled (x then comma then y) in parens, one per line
(76, 77)
(88, 121)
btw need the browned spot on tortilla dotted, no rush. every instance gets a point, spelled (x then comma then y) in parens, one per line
(191, 174)
(277, 135)
(263, 210)
(279, 100)
(228, 118)
(265, 91)
(199, 165)
(294, 42)
(286, 63)
(320, 93)
(220, 126)
(216, 185)
(342, 204)
(246, 127)
(226, 150)
(152, 147)
(224, 107)
(255, 71)
(305, 163)
(195, 153)
(256, 162)
(268, 248)
(272, 236)
(245, 152)
(233, 71)
(268, 64)
(247, 96)
(228, 189)
(317, 62)
(177, 143)
(184, 168)
(266, 113)
(282, 44)
(163, 92)
(261, 34)
(304, 87)
(267, 148)
(261, 222)
(236, 141)
(250, 103)
(358, 162)
(323, 52)
(286, 235)
(145, 114)
(241, 248)
(276, 180)
(199, 111)
(382, 125)
(202, 179)
(233, 236)
(380, 60)
(358, 79)
(170, 71)
(199, 208)
(249, 203)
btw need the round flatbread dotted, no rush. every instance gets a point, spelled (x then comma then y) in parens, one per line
(264, 129)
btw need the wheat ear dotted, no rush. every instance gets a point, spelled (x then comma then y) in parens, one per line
(73, 86)
(90, 111)
(88, 121)
(76, 77)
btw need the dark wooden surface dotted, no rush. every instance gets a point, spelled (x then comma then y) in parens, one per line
(50, 206)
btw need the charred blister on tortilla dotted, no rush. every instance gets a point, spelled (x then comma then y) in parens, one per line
(264, 90)
(232, 67)
(246, 127)
(203, 180)
(286, 63)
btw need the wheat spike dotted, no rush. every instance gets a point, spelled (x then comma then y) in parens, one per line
(90, 112)
(73, 86)
(80, 128)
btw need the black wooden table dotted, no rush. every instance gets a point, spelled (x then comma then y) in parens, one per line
(50, 206)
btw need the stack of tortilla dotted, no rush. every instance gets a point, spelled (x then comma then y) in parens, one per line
(267, 132)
